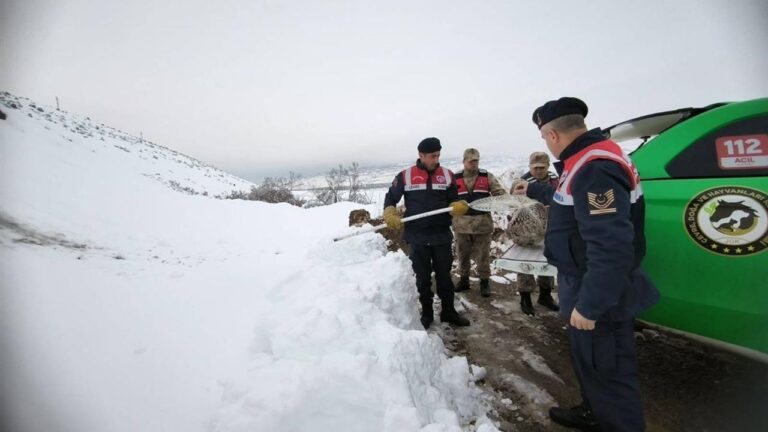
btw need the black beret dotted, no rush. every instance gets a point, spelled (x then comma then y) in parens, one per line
(429, 145)
(558, 108)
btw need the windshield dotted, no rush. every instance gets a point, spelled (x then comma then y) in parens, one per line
(632, 134)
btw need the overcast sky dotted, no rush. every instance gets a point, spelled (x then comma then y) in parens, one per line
(263, 87)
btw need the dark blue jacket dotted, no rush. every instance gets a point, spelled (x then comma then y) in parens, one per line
(431, 230)
(602, 251)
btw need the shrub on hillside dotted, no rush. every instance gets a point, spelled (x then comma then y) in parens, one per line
(272, 190)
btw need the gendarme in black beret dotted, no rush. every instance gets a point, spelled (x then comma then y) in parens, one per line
(429, 145)
(558, 108)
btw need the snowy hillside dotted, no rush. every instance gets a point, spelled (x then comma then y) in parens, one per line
(94, 142)
(131, 301)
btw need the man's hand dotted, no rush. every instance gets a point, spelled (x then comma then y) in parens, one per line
(459, 208)
(520, 188)
(580, 321)
(392, 217)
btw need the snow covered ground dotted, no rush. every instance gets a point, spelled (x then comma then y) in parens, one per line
(133, 300)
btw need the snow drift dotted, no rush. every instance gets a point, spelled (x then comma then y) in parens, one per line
(132, 299)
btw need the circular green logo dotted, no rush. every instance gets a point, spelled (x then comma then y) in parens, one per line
(729, 220)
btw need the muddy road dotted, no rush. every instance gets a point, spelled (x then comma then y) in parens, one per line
(686, 386)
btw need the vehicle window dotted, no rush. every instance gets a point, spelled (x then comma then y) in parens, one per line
(739, 149)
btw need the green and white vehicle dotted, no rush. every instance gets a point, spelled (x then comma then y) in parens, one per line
(704, 174)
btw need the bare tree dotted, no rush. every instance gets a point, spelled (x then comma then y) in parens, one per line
(344, 178)
(357, 189)
(291, 183)
(335, 179)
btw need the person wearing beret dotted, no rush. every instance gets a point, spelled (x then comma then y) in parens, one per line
(427, 186)
(474, 229)
(538, 172)
(595, 237)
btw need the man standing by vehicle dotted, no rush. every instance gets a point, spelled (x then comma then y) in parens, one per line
(539, 172)
(427, 186)
(474, 229)
(595, 238)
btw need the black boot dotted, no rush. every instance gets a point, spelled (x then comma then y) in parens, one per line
(450, 315)
(485, 288)
(427, 314)
(546, 300)
(463, 284)
(526, 304)
(579, 417)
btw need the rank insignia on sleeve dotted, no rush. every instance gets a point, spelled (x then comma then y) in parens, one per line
(601, 203)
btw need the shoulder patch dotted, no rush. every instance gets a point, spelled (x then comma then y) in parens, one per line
(601, 203)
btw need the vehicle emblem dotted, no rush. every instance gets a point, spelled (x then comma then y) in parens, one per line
(729, 220)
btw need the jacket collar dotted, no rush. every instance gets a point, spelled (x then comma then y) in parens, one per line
(420, 165)
(580, 143)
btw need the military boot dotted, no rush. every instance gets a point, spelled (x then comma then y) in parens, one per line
(579, 417)
(463, 284)
(427, 315)
(485, 288)
(449, 315)
(526, 304)
(546, 300)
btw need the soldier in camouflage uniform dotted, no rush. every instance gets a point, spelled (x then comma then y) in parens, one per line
(538, 173)
(473, 230)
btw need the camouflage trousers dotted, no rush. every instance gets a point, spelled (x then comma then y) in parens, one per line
(527, 283)
(477, 246)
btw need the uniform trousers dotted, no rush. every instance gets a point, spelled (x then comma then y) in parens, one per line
(477, 246)
(526, 283)
(605, 363)
(425, 259)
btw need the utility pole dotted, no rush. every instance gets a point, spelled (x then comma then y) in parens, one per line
(57, 103)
